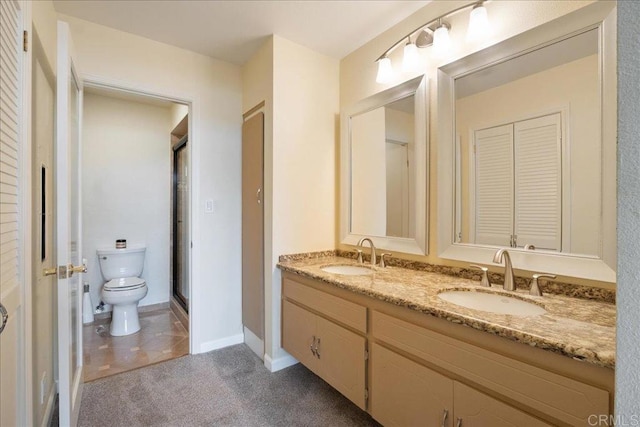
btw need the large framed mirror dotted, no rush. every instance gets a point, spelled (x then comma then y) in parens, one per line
(384, 169)
(527, 157)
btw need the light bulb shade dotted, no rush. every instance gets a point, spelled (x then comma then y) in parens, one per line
(385, 71)
(478, 23)
(441, 41)
(411, 58)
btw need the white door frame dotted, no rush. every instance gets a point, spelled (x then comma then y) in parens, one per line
(99, 82)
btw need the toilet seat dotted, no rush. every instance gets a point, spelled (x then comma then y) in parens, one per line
(124, 284)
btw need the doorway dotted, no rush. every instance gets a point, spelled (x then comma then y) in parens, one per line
(127, 194)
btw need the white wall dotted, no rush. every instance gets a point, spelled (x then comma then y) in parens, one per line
(126, 187)
(369, 195)
(628, 298)
(214, 89)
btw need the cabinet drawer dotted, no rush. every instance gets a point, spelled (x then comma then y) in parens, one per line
(335, 308)
(562, 398)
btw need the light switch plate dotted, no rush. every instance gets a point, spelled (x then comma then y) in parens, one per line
(208, 206)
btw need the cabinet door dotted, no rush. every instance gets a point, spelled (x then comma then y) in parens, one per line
(476, 409)
(342, 359)
(298, 333)
(404, 393)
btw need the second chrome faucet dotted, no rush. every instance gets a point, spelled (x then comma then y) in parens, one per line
(509, 281)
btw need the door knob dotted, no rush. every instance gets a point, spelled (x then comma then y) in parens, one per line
(4, 317)
(50, 271)
(76, 269)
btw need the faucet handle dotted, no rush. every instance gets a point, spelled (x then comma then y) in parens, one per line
(485, 277)
(359, 251)
(535, 288)
(382, 255)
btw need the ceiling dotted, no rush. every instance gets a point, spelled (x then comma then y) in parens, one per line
(233, 30)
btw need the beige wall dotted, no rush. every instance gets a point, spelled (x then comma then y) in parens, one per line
(571, 87)
(300, 89)
(215, 90)
(126, 184)
(178, 112)
(358, 74)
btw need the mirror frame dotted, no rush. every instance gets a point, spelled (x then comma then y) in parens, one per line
(600, 15)
(419, 87)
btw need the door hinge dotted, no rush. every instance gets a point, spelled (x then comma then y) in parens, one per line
(366, 394)
(366, 354)
(25, 40)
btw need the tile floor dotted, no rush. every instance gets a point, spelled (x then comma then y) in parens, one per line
(162, 337)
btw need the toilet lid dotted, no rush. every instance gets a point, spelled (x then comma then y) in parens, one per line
(124, 283)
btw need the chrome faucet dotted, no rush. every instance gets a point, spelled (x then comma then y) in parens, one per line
(373, 249)
(509, 282)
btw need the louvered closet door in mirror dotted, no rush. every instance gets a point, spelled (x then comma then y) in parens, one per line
(538, 182)
(493, 186)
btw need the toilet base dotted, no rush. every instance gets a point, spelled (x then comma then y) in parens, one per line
(124, 320)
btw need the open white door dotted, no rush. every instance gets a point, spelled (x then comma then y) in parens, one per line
(68, 227)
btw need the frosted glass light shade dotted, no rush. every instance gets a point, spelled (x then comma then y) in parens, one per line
(478, 23)
(385, 71)
(411, 58)
(441, 41)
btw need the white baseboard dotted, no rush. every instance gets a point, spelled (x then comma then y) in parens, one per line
(279, 363)
(254, 343)
(221, 343)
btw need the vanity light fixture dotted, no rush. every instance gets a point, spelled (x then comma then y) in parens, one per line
(478, 23)
(411, 57)
(433, 33)
(441, 39)
(385, 71)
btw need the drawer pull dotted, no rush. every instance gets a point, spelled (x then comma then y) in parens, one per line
(445, 414)
(318, 348)
(311, 347)
(459, 422)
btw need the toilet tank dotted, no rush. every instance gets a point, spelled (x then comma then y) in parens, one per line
(117, 263)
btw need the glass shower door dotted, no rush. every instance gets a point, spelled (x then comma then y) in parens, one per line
(181, 224)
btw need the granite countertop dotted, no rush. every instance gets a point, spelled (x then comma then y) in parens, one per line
(574, 327)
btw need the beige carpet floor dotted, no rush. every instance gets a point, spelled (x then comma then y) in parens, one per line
(228, 387)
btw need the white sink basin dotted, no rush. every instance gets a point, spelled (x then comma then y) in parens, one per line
(493, 303)
(347, 270)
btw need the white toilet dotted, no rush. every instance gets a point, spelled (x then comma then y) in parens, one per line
(121, 268)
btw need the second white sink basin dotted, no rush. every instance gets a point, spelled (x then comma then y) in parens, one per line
(347, 270)
(493, 303)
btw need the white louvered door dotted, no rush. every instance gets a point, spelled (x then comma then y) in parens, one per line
(12, 124)
(518, 184)
(494, 186)
(538, 182)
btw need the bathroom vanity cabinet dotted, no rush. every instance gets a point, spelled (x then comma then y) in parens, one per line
(333, 352)
(407, 368)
